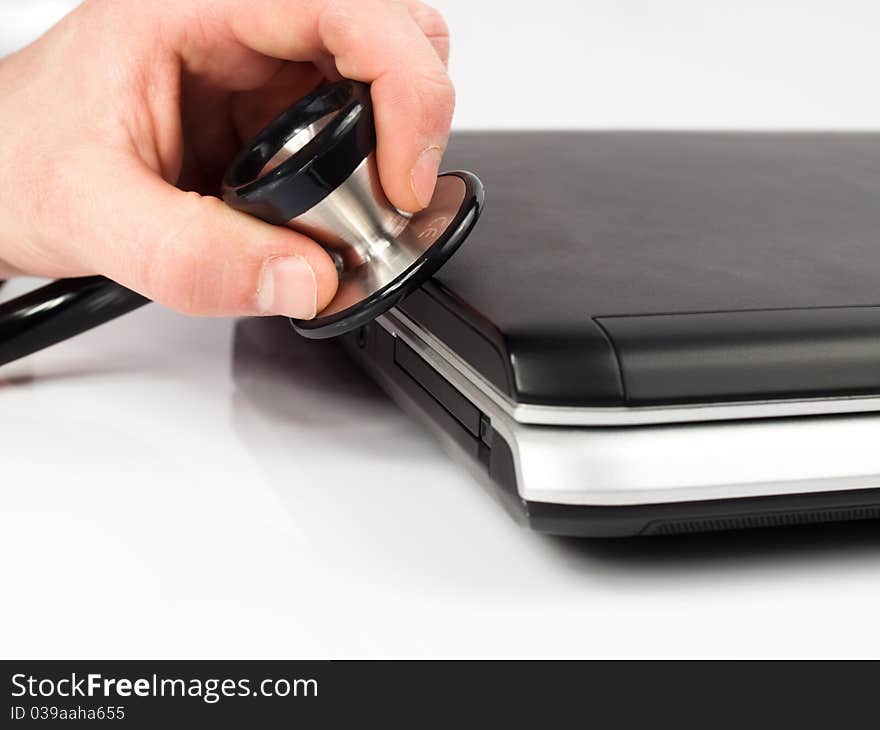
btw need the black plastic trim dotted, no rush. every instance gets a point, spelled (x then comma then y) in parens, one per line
(485, 352)
(465, 412)
(705, 516)
(544, 369)
(748, 355)
(380, 347)
(561, 367)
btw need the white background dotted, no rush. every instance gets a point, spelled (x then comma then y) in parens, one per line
(182, 487)
(638, 63)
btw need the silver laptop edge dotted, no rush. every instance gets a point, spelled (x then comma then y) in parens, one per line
(581, 456)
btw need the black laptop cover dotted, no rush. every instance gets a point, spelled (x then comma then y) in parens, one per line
(643, 268)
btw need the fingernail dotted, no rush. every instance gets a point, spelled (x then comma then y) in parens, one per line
(288, 287)
(423, 177)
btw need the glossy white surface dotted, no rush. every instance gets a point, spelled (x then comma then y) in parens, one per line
(183, 487)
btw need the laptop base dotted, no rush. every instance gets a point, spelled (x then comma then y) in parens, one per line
(474, 439)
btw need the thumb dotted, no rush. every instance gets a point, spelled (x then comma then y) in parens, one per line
(197, 255)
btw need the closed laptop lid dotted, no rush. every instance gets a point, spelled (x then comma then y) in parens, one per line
(635, 268)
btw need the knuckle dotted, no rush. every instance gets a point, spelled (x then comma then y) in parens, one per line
(179, 270)
(437, 96)
(174, 283)
(338, 29)
(432, 22)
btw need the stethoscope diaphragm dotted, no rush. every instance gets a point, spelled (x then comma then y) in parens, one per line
(313, 168)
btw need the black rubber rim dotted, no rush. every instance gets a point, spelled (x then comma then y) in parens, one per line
(310, 174)
(421, 270)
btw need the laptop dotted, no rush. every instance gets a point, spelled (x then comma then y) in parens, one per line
(654, 333)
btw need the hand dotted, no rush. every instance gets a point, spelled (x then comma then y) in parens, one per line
(117, 126)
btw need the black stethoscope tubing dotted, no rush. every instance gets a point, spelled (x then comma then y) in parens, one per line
(59, 311)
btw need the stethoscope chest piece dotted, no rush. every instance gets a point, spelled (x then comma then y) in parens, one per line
(314, 169)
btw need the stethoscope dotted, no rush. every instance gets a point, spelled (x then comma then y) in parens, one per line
(313, 168)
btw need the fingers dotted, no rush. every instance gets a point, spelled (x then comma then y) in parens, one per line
(381, 43)
(197, 255)
(413, 98)
(7, 272)
(252, 110)
(433, 26)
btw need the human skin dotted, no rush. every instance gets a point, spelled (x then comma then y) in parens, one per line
(117, 124)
